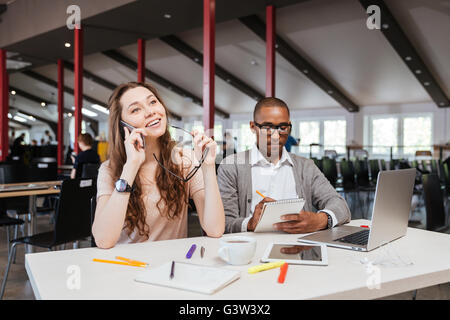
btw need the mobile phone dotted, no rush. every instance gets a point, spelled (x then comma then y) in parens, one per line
(131, 128)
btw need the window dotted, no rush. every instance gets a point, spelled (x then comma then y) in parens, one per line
(404, 133)
(416, 134)
(334, 135)
(330, 134)
(246, 138)
(198, 125)
(309, 133)
(384, 135)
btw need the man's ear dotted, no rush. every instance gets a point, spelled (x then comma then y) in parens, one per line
(252, 126)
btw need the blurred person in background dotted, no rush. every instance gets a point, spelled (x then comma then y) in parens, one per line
(87, 155)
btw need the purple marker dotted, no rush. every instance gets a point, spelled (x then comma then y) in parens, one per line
(191, 251)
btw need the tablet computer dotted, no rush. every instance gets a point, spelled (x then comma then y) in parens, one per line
(296, 253)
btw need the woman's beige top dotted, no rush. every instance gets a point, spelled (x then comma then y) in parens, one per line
(161, 227)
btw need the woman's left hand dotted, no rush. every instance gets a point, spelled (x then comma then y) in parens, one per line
(202, 142)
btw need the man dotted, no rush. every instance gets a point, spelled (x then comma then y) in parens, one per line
(87, 155)
(18, 149)
(271, 170)
(49, 137)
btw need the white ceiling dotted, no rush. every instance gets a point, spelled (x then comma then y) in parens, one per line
(331, 35)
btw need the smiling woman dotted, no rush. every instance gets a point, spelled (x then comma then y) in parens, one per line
(142, 194)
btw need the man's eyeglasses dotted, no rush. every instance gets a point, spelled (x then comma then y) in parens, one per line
(282, 128)
(194, 170)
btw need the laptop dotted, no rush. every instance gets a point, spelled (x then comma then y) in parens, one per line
(390, 215)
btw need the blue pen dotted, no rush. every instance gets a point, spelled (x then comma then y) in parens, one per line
(191, 251)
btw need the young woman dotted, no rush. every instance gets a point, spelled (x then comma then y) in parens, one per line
(138, 199)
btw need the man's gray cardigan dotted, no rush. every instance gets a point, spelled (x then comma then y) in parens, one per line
(235, 185)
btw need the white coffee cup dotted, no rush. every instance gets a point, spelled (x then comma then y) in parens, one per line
(237, 250)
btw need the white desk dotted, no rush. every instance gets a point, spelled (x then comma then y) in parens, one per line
(344, 278)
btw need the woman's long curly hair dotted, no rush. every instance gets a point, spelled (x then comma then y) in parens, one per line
(172, 190)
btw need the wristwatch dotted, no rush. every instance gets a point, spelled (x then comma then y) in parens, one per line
(123, 186)
(329, 221)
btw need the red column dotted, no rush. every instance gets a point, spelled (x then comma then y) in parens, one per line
(141, 60)
(60, 133)
(209, 21)
(270, 51)
(4, 107)
(78, 90)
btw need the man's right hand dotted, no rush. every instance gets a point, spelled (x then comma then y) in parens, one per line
(257, 214)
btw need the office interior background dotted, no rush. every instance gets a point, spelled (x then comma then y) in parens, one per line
(365, 87)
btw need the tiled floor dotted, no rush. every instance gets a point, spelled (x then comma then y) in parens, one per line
(19, 288)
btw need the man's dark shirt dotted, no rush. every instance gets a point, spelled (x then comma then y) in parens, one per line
(88, 156)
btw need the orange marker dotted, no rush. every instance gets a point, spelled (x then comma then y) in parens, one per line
(283, 271)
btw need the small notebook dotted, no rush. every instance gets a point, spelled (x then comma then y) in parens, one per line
(191, 277)
(272, 212)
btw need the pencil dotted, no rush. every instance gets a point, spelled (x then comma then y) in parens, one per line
(202, 252)
(172, 270)
(120, 262)
(132, 261)
(260, 194)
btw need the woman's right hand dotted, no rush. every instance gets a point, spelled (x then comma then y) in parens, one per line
(134, 147)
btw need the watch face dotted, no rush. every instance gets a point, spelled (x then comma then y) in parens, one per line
(121, 185)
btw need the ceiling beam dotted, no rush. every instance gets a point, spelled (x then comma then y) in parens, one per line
(255, 24)
(197, 57)
(28, 96)
(127, 62)
(92, 77)
(397, 38)
(52, 83)
(105, 83)
(20, 123)
(52, 124)
(31, 97)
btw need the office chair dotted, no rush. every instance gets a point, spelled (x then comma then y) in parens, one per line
(93, 207)
(6, 221)
(363, 180)
(434, 202)
(15, 173)
(330, 154)
(43, 171)
(72, 220)
(90, 170)
(374, 170)
(318, 163)
(446, 176)
(349, 184)
(330, 170)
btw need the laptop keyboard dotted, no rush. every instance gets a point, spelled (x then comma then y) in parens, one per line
(360, 238)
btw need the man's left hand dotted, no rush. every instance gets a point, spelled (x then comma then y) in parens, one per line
(303, 222)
